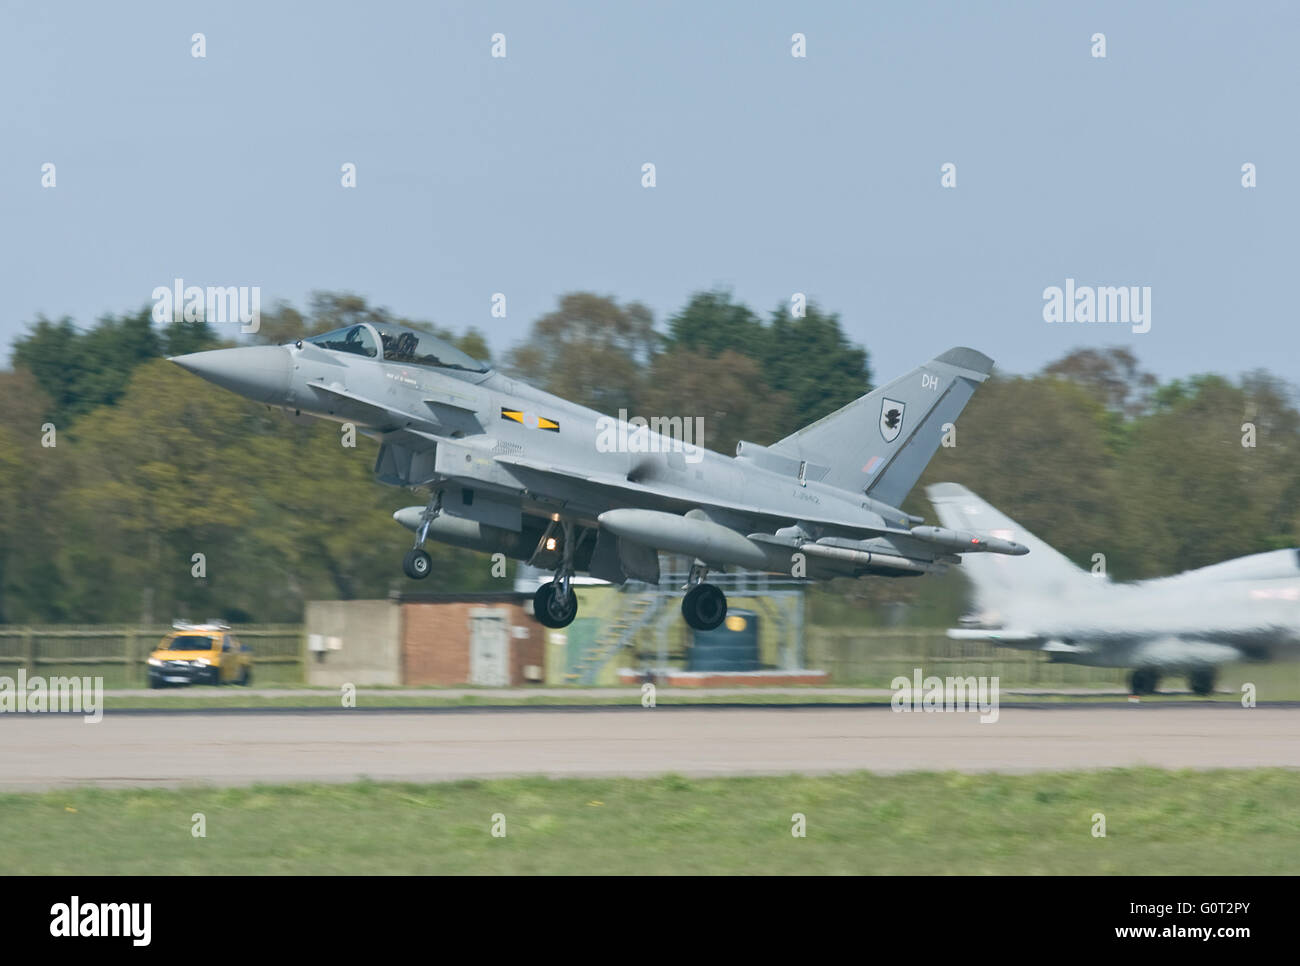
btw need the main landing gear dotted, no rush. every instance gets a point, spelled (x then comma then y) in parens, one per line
(705, 606)
(1201, 681)
(417, 564)
(555, 604)
(1144, 680)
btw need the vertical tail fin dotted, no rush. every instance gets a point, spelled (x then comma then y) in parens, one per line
(881, 442)
(999, 581)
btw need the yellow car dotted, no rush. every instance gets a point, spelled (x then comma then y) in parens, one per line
(200, 654)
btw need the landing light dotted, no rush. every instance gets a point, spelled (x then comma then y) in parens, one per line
(550, 543)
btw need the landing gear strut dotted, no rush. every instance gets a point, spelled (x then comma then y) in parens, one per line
(417, 564)
(705, 606)
(1201, 681)
(555, 604)
(1144, 681)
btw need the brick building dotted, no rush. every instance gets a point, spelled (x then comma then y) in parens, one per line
(488, 639)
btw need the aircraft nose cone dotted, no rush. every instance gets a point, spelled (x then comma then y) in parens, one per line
(259, 372)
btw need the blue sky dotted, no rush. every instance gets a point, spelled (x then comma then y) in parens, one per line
(775, 175)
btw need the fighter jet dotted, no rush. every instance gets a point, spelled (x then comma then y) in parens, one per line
(511, 469)
(1247, 609)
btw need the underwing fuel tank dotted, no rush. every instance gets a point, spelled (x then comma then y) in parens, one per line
(711, 542)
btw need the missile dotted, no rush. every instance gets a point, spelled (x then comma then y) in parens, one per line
(872, 559)
(711, 542)
(967, 541)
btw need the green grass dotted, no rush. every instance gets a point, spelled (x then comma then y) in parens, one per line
(1158, 822)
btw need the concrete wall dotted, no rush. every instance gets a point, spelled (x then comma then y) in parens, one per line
(368, 633)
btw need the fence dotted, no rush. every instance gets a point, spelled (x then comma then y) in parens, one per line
(867, 656)
(119, 654)
(875, 656)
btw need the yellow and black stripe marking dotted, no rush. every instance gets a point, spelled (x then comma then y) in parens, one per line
(532, 422)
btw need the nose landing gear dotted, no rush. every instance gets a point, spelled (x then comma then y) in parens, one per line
(417, 563)
(1144, 681)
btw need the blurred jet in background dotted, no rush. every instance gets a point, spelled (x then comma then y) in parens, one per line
(514, 470)
(1247, 609)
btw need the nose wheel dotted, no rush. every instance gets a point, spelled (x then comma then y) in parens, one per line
(417, 564)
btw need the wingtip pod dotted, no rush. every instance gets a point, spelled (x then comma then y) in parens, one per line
(970, 359)
(969, 541)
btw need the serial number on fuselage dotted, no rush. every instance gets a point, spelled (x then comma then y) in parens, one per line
(403, 377)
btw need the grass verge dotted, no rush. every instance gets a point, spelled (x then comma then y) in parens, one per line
(1157, 822)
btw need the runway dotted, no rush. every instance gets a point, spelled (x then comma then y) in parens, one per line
(124, 749)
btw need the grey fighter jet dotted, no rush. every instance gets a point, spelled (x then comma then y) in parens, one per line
(1247, 609)
(511, 469)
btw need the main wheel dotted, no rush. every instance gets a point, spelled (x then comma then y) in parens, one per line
(704, 607)
(1144, 681)
(549, 611)
(1201, 681)
(417, 565)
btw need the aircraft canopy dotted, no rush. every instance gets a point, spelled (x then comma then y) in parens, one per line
(400, 344)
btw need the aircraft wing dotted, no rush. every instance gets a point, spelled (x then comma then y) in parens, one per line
(1023, 640)
(446, 410)
(381, 417)
(678, 498)
(1114, 649)
(1028, 641)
